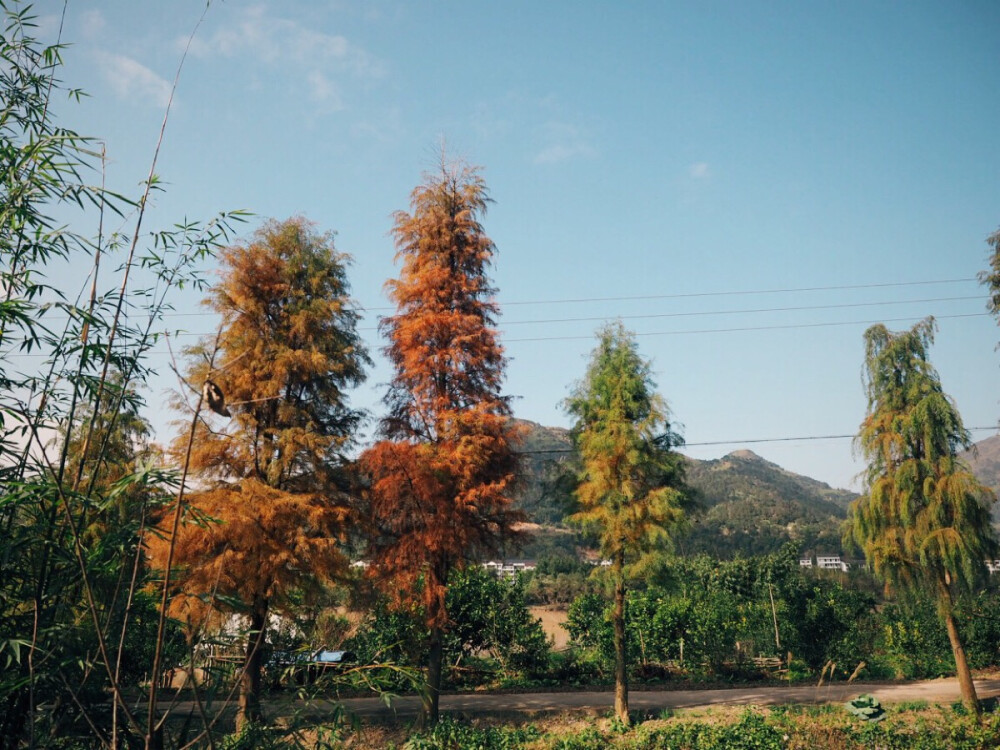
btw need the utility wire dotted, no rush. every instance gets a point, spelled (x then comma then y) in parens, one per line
(678, 295)
(687, 332)
(685, 295)
(751, 328)
(690, 314)
(800, 438)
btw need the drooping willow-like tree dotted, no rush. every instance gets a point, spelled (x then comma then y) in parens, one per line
(923, 522)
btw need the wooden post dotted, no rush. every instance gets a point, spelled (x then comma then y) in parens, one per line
(774, 614)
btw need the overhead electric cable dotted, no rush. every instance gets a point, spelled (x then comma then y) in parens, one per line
(749, 311)
(754, 328)
(700, 444)
(677, 295)
(683, 295)
(589, 337)
(690, 314)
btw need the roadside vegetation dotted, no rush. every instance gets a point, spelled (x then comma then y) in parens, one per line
(904, 727)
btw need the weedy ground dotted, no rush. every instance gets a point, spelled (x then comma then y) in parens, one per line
(907, 726)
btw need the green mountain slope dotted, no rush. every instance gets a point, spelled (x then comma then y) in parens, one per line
(753, 506)
(984, 458)
(749, 505)
(546, 492)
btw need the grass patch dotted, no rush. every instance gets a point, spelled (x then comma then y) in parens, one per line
(915, 725)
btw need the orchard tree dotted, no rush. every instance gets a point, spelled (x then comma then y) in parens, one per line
(924, 521)
(440, 481)
(274, 470)
(630, 489)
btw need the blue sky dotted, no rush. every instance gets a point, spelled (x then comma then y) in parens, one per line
(688, 160)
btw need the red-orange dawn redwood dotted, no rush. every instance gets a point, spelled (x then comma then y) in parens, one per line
(275, 474)
(441, 479)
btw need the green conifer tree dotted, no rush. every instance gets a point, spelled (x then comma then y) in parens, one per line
(631, 483)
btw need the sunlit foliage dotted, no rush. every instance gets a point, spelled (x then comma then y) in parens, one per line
(441, 478)
(286, 351)
(991, 277)
(630, 490)
(923, 521)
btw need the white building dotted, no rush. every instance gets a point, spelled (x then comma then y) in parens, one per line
(831, 562)
(509, 569)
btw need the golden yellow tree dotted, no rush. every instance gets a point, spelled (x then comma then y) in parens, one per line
(441, 479)
(275, 470)
(631, 481)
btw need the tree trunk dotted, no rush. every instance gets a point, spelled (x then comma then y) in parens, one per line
(250, 682)
(965, 683)
(435, 660)
(621, 672)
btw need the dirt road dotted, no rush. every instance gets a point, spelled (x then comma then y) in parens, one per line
(471, 704)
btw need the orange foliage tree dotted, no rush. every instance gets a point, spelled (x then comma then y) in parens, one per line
(440, 480)
(275, 474)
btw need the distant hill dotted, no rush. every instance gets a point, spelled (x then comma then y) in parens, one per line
(750, 505)
(984, 458)
(546, 494)
(753, 506)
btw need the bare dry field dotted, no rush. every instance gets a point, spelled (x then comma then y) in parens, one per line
(552, 619)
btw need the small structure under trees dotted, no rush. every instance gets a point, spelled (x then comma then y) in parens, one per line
(274, 475)
(441, 478)
(631, 480)
(924, 521)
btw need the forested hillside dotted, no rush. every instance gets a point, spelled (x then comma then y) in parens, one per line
(748, 505)
(984, 458)
(753, 506)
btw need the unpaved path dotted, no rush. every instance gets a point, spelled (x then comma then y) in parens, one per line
(472, 704)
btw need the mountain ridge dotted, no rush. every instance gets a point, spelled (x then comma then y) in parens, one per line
(749, 504)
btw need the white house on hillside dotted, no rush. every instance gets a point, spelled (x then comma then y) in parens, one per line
(831, 562)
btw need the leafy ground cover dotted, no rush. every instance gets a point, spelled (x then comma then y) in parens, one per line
(912, 726)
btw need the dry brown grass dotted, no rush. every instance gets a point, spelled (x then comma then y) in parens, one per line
(553, 619)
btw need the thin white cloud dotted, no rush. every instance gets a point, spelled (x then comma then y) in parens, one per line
(130, 79)
(92, 23)
(556, 153)
(316, 57)
(323, 90)
(565, 142)
(699, 171)
(47, 26)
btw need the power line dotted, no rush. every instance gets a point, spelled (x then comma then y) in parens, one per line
(690, 314)
(749, 441)
(751, 328)
(678, 295)
(688, 332)
(685, 295)
(749, 311)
